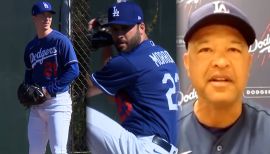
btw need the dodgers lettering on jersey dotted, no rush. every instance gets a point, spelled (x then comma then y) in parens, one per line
(42, 54)
(46, 59)
(150, 79)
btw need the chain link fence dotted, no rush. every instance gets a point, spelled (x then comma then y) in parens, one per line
(79, 19)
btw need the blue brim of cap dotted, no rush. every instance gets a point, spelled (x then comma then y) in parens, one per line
(120, 23)
(224, 19)
(52, 12)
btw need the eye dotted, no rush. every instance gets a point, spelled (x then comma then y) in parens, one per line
(113, 30)
(234, 50)
(126, 28)
(205, 50)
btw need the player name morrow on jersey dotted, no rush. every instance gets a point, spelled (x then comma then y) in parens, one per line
(161, 58)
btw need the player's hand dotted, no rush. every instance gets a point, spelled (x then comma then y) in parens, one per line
(46, 93)
(31, 94)
(92, 24)
(99, 35)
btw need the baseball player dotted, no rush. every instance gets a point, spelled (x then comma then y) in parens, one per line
(144, 80)
(218, 63)
(51, 63)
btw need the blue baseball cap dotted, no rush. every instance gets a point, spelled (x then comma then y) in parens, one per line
(220, 12)
(40, 7)
(125, 13)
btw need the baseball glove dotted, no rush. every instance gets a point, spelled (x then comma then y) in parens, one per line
(99, 35)
(29, 95)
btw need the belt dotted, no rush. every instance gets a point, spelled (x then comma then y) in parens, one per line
(55, 94)
(162, 143)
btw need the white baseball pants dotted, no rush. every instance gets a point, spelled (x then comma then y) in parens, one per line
(105, 136)
(50, 121)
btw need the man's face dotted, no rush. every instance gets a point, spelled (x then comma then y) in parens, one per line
(126, 37)
(218, 64)
(43, 21)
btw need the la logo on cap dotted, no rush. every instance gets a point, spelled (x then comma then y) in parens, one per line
(220, 8)
(115, 12)
(45, 5)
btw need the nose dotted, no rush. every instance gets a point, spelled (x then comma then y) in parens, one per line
(48, 17)
(118, 36)
(220, 60)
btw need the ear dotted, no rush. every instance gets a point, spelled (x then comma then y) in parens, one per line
(34, 18)
(142, 28)
(186, 62)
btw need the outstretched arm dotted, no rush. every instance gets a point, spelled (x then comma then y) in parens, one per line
(106, 54)
(92, 89)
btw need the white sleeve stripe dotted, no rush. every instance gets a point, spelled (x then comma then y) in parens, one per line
(71, 62)
(102, 86)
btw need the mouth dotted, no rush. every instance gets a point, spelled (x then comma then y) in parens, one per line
(220, 79)
(121, 44)
(45, 24)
